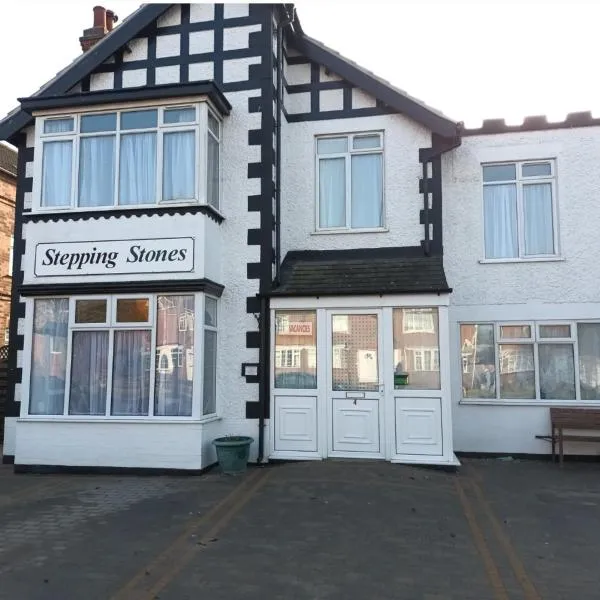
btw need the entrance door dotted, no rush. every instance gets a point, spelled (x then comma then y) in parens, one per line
(355, 390)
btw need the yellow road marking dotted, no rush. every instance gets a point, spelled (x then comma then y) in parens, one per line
(170, 562)
(486, 556)
(517, 566)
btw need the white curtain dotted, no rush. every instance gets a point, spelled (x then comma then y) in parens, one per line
(500, 221)
(96, 170)
(537, 211)
(332, 192)
(210, 373)
(49, 357)
(179, 165)
(137, 169)
(56, 173)
(131, 373)
(89, 364)
(213, 172)
(174, 375)
(367, 191)
(588, 336)
(557, 372)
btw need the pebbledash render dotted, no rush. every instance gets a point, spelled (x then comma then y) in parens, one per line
(224, 227)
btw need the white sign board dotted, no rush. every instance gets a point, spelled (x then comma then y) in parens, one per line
(105, 257)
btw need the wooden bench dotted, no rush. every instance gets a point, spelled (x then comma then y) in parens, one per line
(574, 419)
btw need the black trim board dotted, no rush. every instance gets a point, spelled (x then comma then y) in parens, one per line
(369, 83)
(133, 471)
(56, 216)
(8, 459)
(157, 92)
(124, 286)
(86, 63)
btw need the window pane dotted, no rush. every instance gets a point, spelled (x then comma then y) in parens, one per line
(213, 125)
(500, 221)
(139, 119)
(416, 349)
(366, 141)
(557, 371)
(131, 373)
(588, 337)
(49, 357)
(536, 169)
(210, 311)
(94, 123)
(89, 373)
(174, 356)
(332, 192)
(517, 377)
(537, 210)
(132, 310)
(332, 145)
(56, 173)
(137, 169)
(90, 311)
(513, 332)
(179, 115)
(96, 171)
(499, 173)
(478, 360)
(356, 367)
(58, 125)
(555, 331)
(179, 165)
(296, 349)
(367, 191)
(212, 172)
(209, 403)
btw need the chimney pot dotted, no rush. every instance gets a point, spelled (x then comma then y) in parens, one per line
(111, 19)
(100, 16)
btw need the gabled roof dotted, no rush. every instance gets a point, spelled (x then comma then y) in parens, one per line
(379, 88)
(85, 63)
(311, 48)
(361, 271)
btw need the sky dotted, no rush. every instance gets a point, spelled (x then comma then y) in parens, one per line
(471, 60)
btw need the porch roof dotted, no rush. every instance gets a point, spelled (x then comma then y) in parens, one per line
(361, 271)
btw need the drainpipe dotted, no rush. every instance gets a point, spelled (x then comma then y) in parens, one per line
(279, 104)
(265, 316)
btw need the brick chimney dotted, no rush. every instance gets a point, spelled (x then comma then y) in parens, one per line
(103, 23)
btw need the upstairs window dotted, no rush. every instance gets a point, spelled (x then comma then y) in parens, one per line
(128, 158)
(519, 202)
(350, 182)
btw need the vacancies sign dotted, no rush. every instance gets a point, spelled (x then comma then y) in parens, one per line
(105, 257)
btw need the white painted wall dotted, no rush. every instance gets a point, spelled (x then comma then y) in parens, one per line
(402, 140)
(565, 289)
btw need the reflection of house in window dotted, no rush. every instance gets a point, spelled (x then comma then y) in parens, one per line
(338, 356)
(516, 359)
(416, 320)
(425, 359)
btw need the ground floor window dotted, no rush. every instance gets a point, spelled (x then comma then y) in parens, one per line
(121, 356)
(531, 361)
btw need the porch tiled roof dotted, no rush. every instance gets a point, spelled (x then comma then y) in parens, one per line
(361, 271)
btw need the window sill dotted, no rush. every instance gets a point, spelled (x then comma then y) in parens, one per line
(492, 261)
(529, 402)
(338, 231)
(70, 214)
(121, 420)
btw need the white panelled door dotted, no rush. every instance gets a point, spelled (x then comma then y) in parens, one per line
(355, 390)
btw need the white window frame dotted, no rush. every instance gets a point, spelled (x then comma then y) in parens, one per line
(347, 228)
(111, 325)
(535, 340)
(202, 329)
(199, 126)
(520, 181)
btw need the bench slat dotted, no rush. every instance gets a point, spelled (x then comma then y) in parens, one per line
(575, 418)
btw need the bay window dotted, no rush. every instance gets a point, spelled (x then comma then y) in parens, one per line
(129, 158)
(533, 361)
(121, 356)
(350, 181)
